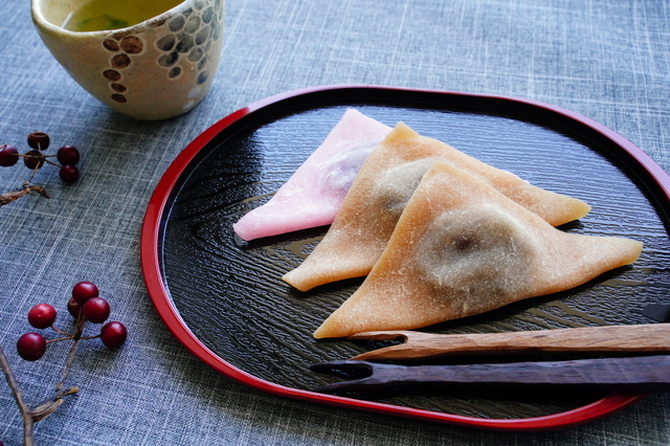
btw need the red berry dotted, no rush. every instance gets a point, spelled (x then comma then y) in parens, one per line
(96, 310)
(31, 346)
(113, 334)
(8, 155)
(33, 159)
(69, 174)
(68, 155)
(83, 291)
(73, 307)
(42, 316)
(39, 140)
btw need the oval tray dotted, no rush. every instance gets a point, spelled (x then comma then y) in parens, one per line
(224, 300)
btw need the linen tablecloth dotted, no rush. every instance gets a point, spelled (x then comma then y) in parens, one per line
(608, 60)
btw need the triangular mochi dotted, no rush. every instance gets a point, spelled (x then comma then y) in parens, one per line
(465, 252)
(379, 193)
(315, 191)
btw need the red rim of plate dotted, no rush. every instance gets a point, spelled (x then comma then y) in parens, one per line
(150, 260)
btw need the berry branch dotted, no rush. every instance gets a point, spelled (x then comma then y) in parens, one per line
(86, 306)
(34, 159)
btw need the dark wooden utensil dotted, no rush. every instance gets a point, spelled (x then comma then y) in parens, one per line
(657, 312)
(644, 373)
(615, 339)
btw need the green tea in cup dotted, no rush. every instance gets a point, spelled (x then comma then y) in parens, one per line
(98, 15)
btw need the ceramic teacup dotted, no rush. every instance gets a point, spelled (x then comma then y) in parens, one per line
(156, 69)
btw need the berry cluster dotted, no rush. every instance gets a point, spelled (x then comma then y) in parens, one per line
(86, 306)
(34, 159)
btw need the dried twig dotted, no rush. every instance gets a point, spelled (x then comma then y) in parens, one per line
(28, 188)
(42, 410)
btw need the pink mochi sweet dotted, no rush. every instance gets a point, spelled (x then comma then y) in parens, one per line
(314, 193)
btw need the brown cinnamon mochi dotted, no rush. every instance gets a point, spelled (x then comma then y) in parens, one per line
(378, 196)
(465, 252)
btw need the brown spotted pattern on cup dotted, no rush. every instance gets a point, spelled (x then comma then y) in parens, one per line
(121, 49)
(187, 36)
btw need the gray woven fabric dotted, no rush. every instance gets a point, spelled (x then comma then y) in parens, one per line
(606, 59)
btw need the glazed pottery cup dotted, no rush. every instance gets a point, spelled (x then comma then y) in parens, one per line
(156, 69)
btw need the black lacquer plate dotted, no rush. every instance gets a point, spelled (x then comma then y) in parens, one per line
(225, 301)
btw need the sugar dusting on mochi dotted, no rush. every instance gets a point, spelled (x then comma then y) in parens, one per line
(385, 183)
(315, 192)
(468, 252)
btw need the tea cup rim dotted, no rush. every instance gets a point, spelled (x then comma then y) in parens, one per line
(41, 21)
